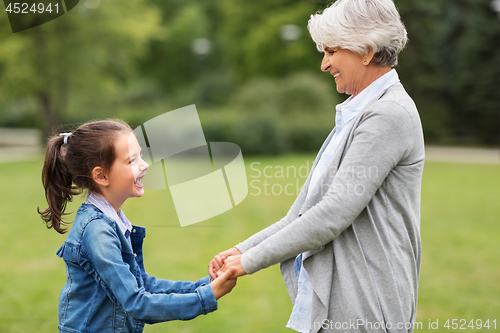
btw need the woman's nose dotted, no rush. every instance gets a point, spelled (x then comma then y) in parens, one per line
(325, 64)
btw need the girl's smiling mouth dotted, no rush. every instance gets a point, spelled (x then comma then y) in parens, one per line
(138, 181)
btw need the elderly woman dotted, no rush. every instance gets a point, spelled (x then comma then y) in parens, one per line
(350, 246)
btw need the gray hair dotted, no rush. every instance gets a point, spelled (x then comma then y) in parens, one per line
(361, 26)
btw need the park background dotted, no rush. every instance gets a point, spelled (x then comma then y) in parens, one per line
(253, 73)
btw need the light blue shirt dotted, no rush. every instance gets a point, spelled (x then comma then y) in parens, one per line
(300, 319)
(119, 217)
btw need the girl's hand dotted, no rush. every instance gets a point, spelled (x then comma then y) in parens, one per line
(216, 264)
(224, 283)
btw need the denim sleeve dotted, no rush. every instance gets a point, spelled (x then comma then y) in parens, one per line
(155, 285)
(102, 258)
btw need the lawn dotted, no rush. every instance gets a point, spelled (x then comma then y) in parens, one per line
(460, 231)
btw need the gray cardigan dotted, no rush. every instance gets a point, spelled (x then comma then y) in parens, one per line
(359, 226)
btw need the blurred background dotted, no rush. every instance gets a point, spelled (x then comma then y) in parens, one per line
(250, 67)
(254, 74)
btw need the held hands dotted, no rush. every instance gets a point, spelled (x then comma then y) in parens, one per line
(223, 270)
(226, 261)
(233, 262)
(224, 283)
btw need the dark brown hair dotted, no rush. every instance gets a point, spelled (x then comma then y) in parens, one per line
(67, 171)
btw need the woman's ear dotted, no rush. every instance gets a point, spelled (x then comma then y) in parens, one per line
(99, 176)
(367, 57)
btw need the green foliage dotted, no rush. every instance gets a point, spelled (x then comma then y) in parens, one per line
(452, 61)
(307, 134)
(255, 134)
(136, 60)
(271, 116)
(263, 52)
(78, 63)
(260, 135)
(450, 66)
(171, 59)
(305, 93)
(252, 40)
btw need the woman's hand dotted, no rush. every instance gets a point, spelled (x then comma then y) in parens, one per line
(216, 264)
(230, 263)
(224, 283)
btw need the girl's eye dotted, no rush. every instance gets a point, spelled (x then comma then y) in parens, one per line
(131, 161)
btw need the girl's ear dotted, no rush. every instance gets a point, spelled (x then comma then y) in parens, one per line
(99, 176)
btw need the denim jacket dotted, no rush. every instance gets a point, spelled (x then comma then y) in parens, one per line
(107, 288)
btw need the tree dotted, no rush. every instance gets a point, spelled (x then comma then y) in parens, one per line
(251, 33)
(176, 66)
(78, 63)
(451, 68)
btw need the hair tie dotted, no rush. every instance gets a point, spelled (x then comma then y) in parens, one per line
(66, 135)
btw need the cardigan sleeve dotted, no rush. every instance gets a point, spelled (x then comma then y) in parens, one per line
(380, 141)
(292, 214)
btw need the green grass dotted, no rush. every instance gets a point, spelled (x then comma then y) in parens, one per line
(460, 229)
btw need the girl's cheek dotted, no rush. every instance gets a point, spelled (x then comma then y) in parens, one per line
(136, 170)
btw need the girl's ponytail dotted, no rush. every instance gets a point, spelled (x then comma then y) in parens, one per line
(58, 184)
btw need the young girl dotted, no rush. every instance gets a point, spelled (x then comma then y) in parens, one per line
(107, 288)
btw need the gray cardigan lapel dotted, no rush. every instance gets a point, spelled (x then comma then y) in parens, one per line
(334, 164)
(321, 273)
